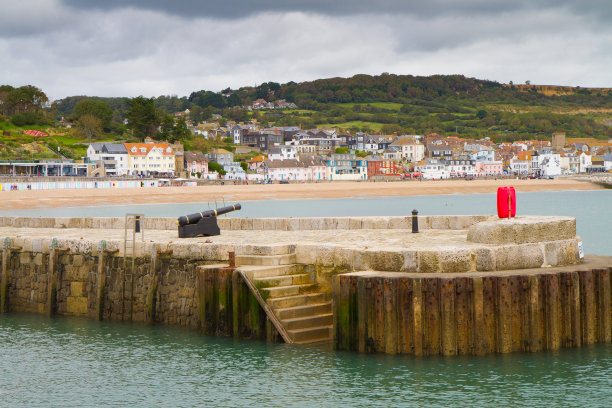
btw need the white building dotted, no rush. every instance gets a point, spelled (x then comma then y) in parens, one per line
(150, 158)
(304, 168)
(521, 167)
(584, 162)
(283, 153)
(546, 164)
(113, 157)
(433, 169)
(409, 148)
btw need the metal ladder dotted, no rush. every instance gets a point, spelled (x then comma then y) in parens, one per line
(134, 223)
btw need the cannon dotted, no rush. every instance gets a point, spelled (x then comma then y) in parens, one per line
(203, 223)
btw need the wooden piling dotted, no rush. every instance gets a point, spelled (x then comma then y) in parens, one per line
(472, 313)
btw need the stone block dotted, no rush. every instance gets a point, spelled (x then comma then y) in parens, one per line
(293, 224)
(440, 222)
(258, 224)
(521, 230)
(329, 223)
(269, 224)
(343, 223)
(325, 255)
(559, 253)
(456, 260)
(343, 259)
(523, 256)
(404, 223)
(77, 260)
(76, 305)
(306, 254)
(38, 259)
(305, 224)
(381, 260)
(429, 262)
(76, 288)
(246, 224)
(375, 223)
(485, 259)
(355, 223)
(410, 263)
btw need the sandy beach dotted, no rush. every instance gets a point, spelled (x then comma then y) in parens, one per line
(230, 192)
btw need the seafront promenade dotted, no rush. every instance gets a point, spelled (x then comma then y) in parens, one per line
(461, 285)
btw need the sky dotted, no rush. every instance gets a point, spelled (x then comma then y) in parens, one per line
(158, 47)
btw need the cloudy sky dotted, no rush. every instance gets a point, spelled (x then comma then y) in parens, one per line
(159, 47)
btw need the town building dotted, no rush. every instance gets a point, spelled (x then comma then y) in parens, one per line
(112, 157)
(195, 162)
(150, 158)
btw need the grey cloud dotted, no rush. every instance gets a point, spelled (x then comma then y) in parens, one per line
(232, 9)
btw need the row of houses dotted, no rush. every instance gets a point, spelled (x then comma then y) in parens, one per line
(144, 159)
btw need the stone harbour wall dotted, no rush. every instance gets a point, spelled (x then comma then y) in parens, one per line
(161, 288)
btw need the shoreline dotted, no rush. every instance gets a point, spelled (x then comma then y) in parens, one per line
(11, 200)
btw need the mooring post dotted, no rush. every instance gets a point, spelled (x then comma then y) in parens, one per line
(415, 221)
(232, 259)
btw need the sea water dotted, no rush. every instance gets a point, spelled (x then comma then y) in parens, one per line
(71, 362)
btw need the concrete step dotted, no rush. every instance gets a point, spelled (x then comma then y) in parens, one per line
(285, 291)
(309, 321)
(302, 311)
(311, 335)
(266, 260)
(280, 270)
(299, 300)
(284, 280)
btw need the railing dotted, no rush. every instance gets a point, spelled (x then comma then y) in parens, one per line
(269, 312)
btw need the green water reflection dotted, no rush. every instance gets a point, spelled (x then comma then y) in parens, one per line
(77, 362)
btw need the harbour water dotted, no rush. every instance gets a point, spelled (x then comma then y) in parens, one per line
(77, 362)
(72, 362)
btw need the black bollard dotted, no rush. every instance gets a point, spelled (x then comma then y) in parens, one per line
(137, 224)
(415, 221)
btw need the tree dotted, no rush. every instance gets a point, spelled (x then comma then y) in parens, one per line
(180, 132)
(20, 100)
(201, 144)
(142, 117)
(89, 126)
(244, 166)
(99, 109)
(481, 114)
(166, 128)
(214, 166)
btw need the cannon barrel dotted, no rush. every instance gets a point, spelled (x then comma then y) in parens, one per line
(195, 217)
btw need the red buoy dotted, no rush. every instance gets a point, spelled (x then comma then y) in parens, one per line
(506, 202)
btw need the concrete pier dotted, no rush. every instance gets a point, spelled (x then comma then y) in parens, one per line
(462, 285)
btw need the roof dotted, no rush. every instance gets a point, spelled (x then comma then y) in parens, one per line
(259, 158)
(191, 156)
(143, 149)
(114, 148)
(405, 140)
(220, 151)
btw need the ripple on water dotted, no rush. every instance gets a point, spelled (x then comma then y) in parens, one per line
(74, 362)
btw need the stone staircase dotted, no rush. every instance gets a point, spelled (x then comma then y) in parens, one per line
(289, 290)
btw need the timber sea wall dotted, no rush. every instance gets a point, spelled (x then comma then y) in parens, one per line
(463, 285)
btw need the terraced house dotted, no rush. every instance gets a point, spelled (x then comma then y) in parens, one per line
(150, 158)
